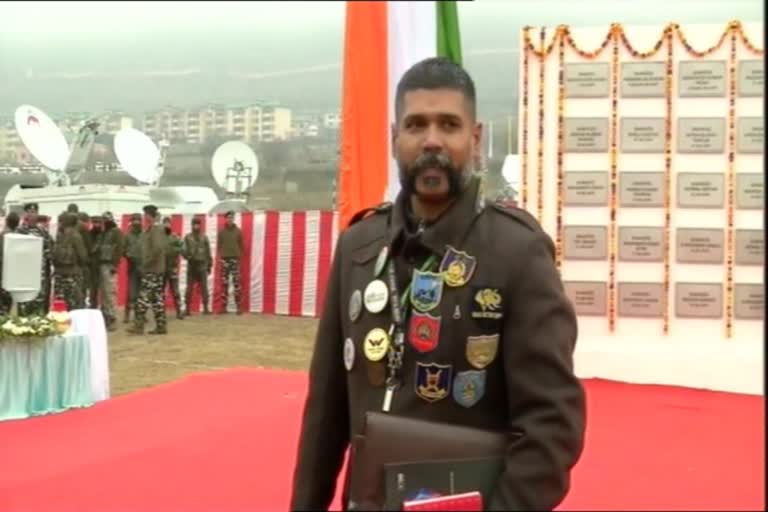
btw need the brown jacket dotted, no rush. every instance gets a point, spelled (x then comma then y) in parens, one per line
(530, 387)
(230, 242)
(153, 248)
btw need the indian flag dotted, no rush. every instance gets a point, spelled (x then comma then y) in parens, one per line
(381, 41)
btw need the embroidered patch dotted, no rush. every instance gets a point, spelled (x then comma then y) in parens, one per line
(426, 290)
(487, 303)
(424, 331)
(469, 387)
(482, 350)
(457, 267)
(433, 381)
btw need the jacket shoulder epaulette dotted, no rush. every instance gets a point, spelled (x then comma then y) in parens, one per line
(520, 215)
(364, 213)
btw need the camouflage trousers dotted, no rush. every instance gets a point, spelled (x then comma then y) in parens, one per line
(6, 301)
(69, 289)
(39, 305)
(230, 267)
(134, 285)
(151, 296)
(107, 291)
(197, 274)
(171, 278)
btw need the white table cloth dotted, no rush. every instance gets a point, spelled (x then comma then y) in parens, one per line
(91, 323)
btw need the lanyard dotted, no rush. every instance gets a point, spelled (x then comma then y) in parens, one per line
(397, 330)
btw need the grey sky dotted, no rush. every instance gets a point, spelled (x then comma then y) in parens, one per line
(50, 50)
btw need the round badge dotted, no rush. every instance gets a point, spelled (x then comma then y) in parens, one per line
(380, 261)
(376, 344)
(349, 354)
(355, 305)
(376, 296)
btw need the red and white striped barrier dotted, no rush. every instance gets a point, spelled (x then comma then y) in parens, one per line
(284, 267)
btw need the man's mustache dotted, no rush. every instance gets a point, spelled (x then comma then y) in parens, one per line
(431, 161)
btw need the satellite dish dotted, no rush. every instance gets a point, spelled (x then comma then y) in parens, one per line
(42, 137)
(235, 167)
(511, 169)
(137, 154)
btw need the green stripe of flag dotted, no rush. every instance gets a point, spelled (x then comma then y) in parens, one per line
(448, 37)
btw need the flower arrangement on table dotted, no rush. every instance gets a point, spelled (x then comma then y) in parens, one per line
(33, 328)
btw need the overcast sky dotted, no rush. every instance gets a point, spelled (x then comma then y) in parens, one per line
(81, 41)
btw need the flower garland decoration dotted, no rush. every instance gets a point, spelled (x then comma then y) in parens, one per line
(27, 328)
(524, 142)
(712, 49)
(560, 148)
(737, 26)
(614, 162)
(731, 178)
(540, 154)
(666, 234)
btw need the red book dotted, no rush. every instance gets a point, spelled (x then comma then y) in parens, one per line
(471, 501)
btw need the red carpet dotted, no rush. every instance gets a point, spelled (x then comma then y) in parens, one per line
(226, 441)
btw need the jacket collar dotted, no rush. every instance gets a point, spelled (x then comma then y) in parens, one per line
(452, 225)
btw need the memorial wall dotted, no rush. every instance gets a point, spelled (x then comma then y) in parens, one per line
(642, 156)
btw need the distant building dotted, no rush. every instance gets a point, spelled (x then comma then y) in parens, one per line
(251, 123)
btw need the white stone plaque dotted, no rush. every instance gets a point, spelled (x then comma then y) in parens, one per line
(750, 246)
(586, 134)
(585, 243)
(586, 188)
(641, 189)
(702, 78)
(750, 135)
(700, 190)
(696, 245)
(587, 80)
(751, 77)
(588, 297)
(700, 135)
(640, 243)
(749, 301)
(642, 134)
(640, 299)
(643, 79)
(699, 300)
(750, 190)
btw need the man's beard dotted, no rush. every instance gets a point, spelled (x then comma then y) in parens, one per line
(457, 178)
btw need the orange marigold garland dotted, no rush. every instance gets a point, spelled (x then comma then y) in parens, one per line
(730, 192)
(540, 155)
(667, 178)
(524, 142)
(614, 160)
(560, 147)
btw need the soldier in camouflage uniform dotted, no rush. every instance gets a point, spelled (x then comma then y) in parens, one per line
(132, 253)
(47, 284)
(108, 250)
(197, 252)
(85, 270)
(11, 225)
(230, 245)
(171, 277)
(94, 273)
(37, 306)
(69, 257)
(153, 250)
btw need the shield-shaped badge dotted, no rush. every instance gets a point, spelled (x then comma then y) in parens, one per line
(457, 267)
(482, 350)
(426, 290)
(433, 381)
(469, 387)
(424, 331)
